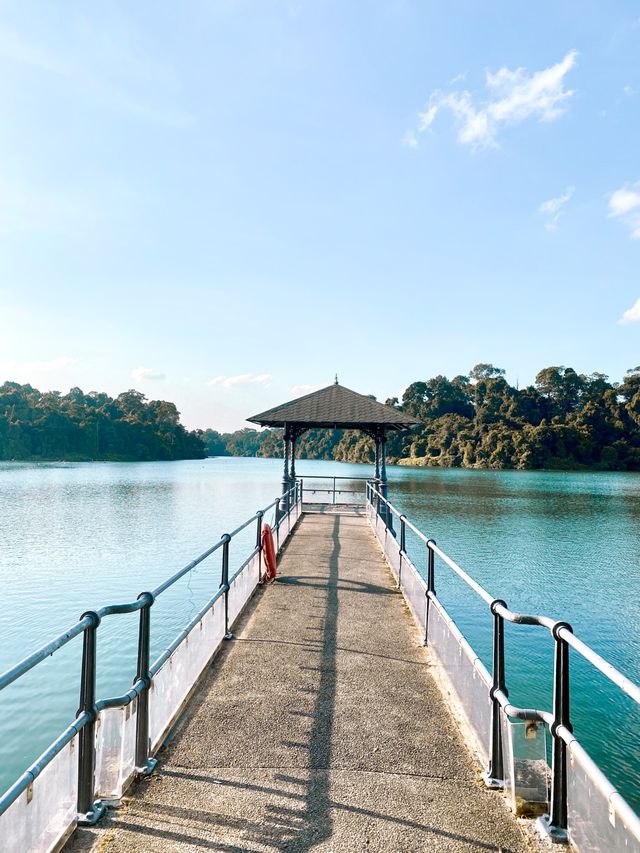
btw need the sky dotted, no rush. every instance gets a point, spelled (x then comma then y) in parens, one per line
(226, 203)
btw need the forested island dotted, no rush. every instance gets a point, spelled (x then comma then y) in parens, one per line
(78, 426)
(565, 420)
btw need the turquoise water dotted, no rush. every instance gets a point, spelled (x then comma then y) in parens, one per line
(77, 536)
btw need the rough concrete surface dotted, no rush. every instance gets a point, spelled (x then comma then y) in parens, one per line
(319, 727)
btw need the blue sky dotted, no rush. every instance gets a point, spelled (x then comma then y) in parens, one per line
(224, 203)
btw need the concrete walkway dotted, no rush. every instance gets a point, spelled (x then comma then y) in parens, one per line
(318, 727)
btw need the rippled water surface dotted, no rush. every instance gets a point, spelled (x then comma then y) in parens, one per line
(77, 536)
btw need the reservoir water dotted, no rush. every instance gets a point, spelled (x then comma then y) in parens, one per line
(75, 536)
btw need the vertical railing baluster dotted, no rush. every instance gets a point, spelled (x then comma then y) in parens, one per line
(277, 524)
(88, 811)
(226, 539)
(494, 775)
(431, 586)
(260, 514)
(556, 823)
(144, 762)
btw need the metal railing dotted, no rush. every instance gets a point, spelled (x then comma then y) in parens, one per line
(554, 824)
(333, 489)
(89, 810)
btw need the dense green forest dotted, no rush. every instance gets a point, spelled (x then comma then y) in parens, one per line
(565, 420)
(78, 426)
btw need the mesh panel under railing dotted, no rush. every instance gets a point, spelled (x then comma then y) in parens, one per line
(466, 673)
(175, 678)
(46, 811)
(594, 824)
(242, 588)
(414, 590)
(392, 552)
(115, 750)
(412, 585)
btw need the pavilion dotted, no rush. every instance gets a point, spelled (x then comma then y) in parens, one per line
(335, 407)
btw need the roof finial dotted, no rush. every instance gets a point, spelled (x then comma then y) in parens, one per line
(336, 382)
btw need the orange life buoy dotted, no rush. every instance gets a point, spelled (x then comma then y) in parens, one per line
(269, 552)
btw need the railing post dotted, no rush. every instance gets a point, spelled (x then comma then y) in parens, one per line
(334, 491)
(260, 514)
(402, 549)
(431, 586)
(225, 583)
(144, 762)
(494, 775)
(89, 812)
(277, 525)
(554, 825)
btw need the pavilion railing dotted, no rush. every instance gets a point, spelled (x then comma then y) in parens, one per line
(113, 739)
(582, 805)
(319, 488)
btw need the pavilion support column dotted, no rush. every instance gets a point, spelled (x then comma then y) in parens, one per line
(377, 481)
(285, 475)
(386, 514)
(293, 461)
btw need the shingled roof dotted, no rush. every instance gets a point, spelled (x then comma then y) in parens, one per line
(335, 407)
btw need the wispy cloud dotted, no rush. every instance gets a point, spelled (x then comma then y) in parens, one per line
(300, 390)
(108, 67)
(29, 206)
(24, 208)
(21, 370)
(16, 49)
(510, 97)
(553, 208)
(624, 205)
(631, 315)
(241, 379)
(410, 139)
(144, 374)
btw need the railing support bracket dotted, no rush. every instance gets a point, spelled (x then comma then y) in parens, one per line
(550, 833)
(94, 814)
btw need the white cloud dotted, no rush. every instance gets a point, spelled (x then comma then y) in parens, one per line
(624, 205)
(24, 208)
(241, 379)
(54, 364)
(22, 371)
(510, 98)
(14, 48)
(553, 208)
(105, 64)
(410, 140)
(631, 315)
(144, 374)
(628, 90)
(301, 390)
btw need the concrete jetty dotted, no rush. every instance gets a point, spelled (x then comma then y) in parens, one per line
(318, 727)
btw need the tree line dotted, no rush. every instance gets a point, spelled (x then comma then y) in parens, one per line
(564, 420)
(79, 426)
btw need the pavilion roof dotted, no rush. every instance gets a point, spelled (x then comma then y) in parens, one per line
(335, 407)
